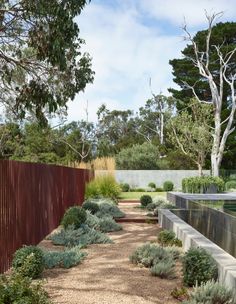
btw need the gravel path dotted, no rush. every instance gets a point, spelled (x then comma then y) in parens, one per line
(107, 276)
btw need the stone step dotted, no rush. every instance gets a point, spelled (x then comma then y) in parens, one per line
(153, 220)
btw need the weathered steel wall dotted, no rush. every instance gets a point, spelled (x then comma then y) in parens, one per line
(33, 198)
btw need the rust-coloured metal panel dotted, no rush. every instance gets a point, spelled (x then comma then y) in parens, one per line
(33, 199)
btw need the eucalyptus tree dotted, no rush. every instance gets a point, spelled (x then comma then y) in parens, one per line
(42, 66)
(208, 73)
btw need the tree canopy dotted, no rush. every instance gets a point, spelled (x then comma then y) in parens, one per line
(41, 63)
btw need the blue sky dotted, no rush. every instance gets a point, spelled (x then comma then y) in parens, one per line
(132, 41)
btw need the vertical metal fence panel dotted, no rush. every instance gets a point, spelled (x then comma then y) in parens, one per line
(33, 199)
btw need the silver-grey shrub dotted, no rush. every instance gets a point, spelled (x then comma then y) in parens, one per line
(164, 269)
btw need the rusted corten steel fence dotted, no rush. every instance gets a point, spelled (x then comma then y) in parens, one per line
(33, 198)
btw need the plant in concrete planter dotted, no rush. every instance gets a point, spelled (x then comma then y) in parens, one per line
(202, 184)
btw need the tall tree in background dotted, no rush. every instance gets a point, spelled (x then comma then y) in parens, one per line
(191, 133)
(41, 64)
(208, 72)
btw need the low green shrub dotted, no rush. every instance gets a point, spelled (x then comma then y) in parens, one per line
(198, 267)
(159, 200)
(64, 259)
(152, 185)
(150, 254)
(18, 289)
(158, 189)
(75, 216)
(125, 187)
(180, 294)
(168, 186)
(202, 184)
(92, 220)
(230, 185)
(91, 206)
(82, 237)
(109, 209)
(211, 293)
(174, 251)
(151, 206)
(103, 186)
(145, 200)
(164, 269)
(166, 237)
(107, 224)
(28, 260)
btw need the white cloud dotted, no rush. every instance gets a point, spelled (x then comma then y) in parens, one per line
(127, 50)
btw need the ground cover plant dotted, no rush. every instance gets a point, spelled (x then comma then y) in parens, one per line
(160, 261)
(108, 208)
(91, 206)
(211, 293)
(168, 238)
(198, 267)
(66, 259)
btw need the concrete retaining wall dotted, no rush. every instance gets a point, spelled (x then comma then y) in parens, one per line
(191, 237)
(141, 178)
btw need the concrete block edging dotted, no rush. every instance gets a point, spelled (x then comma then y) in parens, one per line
(190, 237)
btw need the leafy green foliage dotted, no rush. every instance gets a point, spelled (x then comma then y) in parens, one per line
(166, 237)
(230, 185)
(164, 269)
(211, 293)
(74, 216)
(92, 220)
(41, 61)
(138, 157)
(168, 186)
(91, 206)
(103, 186)
(152, 185)
(125, 187)
(152, 206)
(28, 261)
(202, 184)
(145, 200)
(19, 289)
(198, 266)
(65, 259)
(79, 237)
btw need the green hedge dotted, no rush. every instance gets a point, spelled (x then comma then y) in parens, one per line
(202, 184)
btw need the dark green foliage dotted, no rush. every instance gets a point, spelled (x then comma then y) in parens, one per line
(28, 261)
(198, 267)
(164, 269)
(159, 189)
(91, 206)
(79, 237)
(75, 216)
(152, 185)
(125, 187)
(202, 184)
(168, 186)
(149, 255)
(46, 33)
(137, 190)
(211, 293)
(138, 157)
(230, 185)
(166, 237)
(64, 259)
(145, 200)
(19, 289)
